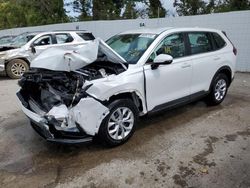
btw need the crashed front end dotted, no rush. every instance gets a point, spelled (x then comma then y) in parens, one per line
(59, 107)
(55, 98)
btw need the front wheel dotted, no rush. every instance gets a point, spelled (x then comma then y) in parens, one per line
(16, 67)
(218, 90)
(120, 123)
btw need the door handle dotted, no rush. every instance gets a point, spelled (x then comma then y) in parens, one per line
(217, 58)
(185, 66)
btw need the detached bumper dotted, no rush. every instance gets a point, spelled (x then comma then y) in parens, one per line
(50, 132)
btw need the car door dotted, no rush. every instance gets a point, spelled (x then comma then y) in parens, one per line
(65, 41)
(205, 60)
(168, 82)
(39, 45)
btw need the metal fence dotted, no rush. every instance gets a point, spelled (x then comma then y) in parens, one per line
(236, 24)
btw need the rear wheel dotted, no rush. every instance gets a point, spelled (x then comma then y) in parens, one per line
(16, 67)
(218, 90)
(120, 124)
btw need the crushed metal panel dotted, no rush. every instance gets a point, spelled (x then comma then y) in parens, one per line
(62, 60)
(88, 113)
(59, 112)
(65, 60)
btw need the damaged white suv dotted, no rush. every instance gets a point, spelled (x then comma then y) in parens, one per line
(101, 89)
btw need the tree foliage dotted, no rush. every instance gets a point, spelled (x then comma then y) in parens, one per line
(196, 7)
(156, 9)
(232, 5)
(189, 7)
(18, 13)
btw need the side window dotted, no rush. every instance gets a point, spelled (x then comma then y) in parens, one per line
(63, 38)
(199, 43)
(86, 36)
(218, 40)
(172, 45)
(44, 40)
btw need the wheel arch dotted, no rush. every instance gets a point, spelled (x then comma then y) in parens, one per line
(21, 58)
(225, 70)
(137, 100)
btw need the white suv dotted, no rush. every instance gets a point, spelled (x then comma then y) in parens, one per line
(101, 89)
(15, 57)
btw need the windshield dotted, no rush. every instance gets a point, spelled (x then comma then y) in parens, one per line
(6, 40)
(22, 39)
(131, 46)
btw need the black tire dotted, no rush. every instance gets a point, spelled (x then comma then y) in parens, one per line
(212, 99)
(16, 67)
(104, 135)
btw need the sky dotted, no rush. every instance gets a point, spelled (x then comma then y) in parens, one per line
(167, 4)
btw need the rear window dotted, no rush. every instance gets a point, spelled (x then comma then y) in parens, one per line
(86, 36)
(218, 40)
(62, 38)
(199, 42)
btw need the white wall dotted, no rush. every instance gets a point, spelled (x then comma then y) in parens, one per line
(236, 24)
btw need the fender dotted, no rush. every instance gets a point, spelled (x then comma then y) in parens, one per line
(223, 68)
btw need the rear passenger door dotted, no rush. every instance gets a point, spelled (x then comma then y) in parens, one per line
(64, 41)
(204, 59)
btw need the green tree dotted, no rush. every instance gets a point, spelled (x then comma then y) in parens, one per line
(107, 9)
(18, 13)
(44, 11)
(11, 15)
(156, 9)
(232, 5)
(129, 12)
(190, 7)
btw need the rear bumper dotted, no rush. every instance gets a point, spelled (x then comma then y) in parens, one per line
(51, 132)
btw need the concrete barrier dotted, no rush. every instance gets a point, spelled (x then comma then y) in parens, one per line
(236, 24)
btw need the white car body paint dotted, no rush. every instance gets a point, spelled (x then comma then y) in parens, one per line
(183, 77)
(64, 60)
(25, 52)
(59, 112)
(88, 118)
(88, 113)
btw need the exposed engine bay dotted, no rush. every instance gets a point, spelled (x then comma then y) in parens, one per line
(100, 69)
(54, 93)
(48, 88)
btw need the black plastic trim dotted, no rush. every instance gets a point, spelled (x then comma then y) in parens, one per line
(179, 102)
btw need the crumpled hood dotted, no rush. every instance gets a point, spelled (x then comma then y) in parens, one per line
(70, 60)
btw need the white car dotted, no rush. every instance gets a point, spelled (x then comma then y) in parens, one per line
(101, 89)
(15, 57)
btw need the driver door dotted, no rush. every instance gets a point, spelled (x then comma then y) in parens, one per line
(168, 82)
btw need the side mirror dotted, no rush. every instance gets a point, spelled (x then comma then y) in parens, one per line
(33, 49)
(162, 59)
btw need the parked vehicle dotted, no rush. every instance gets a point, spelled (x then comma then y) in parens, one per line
(101, 89)
(5, 40)
(15, 58)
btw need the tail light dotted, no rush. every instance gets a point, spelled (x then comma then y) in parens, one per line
(234, 48)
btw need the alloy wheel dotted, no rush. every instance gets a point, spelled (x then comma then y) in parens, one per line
(18, 69)
(220, 89)
(120, 123)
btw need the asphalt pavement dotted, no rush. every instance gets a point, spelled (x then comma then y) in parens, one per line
(191, 146)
